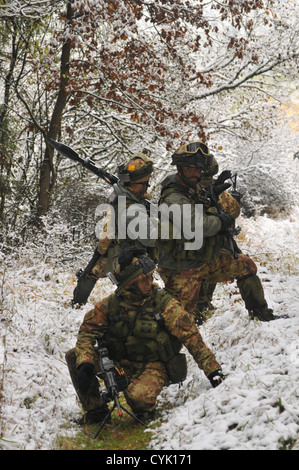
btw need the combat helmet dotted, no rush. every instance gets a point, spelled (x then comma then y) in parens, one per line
(137, 170)
(194, 154)
(132, 262)
(212, 169)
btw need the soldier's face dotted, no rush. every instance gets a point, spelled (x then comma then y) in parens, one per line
(144, 283)
(191, 173)
(139, 188)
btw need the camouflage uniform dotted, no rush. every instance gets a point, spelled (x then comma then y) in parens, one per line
(137, 170)
(183, 271)
(138, 355)
(231, 205)
(186, 284)
(109, 248)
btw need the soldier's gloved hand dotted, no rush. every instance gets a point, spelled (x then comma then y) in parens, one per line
(216, 378)
(219, 188)
(84, 377)
(225, 175)
(121, 379)
(226, 221)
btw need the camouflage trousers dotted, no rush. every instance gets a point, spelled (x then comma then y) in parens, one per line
(145, 384)
(185, 285)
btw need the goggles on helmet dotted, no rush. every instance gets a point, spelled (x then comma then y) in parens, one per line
(194, 154)
(194, 146)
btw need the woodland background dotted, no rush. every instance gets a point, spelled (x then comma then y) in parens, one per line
(111, 77)
(108, 78)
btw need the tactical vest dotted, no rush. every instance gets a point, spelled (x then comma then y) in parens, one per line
(139, 334)
(117, 245)
(175, 247)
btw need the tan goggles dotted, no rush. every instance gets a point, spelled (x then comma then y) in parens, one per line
(194, 146)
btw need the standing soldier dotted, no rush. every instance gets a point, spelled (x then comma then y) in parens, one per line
(132, 188)
(218, 260)
(143, 329)
(229, 202)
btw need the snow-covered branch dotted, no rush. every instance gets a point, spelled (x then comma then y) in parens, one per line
(28, 8)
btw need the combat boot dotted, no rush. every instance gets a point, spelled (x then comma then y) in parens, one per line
(263, 315)
(95, 416)
(252, 293)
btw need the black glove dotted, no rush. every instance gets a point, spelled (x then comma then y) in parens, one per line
(121, 379)
(226, 221)
(219, 188)
(216, 378)
(225, 175)
(219, 184)
(84, 377)
(83, 289)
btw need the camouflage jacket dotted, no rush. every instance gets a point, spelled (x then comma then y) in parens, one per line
(118, 229)
(172, 254)
(101, 323)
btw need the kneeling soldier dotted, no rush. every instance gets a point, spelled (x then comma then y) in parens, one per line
(143, 329)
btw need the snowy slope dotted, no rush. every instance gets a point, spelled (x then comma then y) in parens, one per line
(257, 407)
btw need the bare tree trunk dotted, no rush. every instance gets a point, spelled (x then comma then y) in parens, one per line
(47, 173)
(5, 163)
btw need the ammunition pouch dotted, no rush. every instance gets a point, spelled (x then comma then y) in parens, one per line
(177, 368)
(143, 337)
(168, 345)
(141, 350)
(145, 329)
(121, 379)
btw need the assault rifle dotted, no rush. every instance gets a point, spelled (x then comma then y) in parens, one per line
(211, 196)
(115, 382)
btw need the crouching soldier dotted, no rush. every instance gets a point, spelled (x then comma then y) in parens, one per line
(143, 329)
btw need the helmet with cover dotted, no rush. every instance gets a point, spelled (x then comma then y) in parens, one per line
(207, 175)
(195, 154)
(212, 169)
(137, 170)
(132, 262)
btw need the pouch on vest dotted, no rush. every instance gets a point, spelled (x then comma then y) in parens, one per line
(145, 329)
(119, 329)
(165, 350)
(141, 349)
(177, 368)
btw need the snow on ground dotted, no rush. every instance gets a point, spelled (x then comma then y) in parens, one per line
(257, 406)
